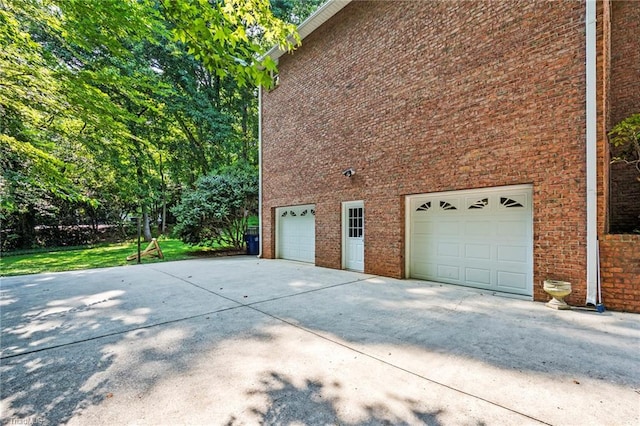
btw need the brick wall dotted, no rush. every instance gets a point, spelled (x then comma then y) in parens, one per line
(620, 272)
(624, 101)
(619, 77)
(432, 97)
(603, 77)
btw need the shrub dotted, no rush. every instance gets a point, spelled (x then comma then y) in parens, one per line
(217, 210)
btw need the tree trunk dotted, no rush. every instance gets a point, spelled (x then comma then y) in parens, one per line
(26, 229)
(145, 225)
(245, 133)
(164, 216)
(163, 191)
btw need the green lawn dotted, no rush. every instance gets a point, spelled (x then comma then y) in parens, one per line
(95, 257)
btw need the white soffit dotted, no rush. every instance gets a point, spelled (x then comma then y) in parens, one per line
(317, 18)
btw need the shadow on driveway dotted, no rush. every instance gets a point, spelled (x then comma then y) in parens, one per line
(246, 341)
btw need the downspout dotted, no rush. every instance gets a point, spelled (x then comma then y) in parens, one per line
(591, 140)
(260, 172)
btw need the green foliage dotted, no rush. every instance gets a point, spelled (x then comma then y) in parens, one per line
(58, 112)
(218, 209)
(103, 112)
(294, 11)
(230, 37)
(625, 137)
(28, 90)
(110, 107)
(110, 25)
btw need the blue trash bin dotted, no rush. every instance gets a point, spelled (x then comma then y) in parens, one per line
(253, 240)
(253, 245)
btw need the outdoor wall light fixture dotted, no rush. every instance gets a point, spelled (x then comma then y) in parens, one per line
(349, 172)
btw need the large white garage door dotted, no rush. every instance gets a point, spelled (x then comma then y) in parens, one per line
(296, 233)
(477, 238)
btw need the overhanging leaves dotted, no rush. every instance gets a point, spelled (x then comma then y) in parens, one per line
(230, 37)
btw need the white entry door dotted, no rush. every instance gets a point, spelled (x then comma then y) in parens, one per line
(296, 233)
(353, 235)
(479, 238)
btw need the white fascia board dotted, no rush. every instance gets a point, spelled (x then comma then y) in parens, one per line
(317, 18)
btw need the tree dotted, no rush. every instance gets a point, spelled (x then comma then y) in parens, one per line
(111, 107)
(294, 11)
(217, 210)
(32, 177)
(230, 37)
(625, 137)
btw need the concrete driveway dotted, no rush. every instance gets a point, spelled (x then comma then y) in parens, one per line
(245, 341)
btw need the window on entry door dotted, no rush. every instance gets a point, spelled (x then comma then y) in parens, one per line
(356, 224)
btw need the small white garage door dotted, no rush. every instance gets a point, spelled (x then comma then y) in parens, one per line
(477, 238)
(296, 233)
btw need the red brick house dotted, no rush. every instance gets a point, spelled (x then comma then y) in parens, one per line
(456, 142)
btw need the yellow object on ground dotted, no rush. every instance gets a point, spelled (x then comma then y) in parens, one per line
(153, 249)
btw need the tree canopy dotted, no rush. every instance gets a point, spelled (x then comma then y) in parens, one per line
(113, 107)
(230, 37)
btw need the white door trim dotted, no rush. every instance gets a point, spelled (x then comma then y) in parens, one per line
(345, 230)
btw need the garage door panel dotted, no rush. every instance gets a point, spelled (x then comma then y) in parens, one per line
(478, 276)
(478, 251)
(513, 254)
(422, 241)
(480, 238)
(447, 227)
(511, 229)
(424, 228)
(448, 249)
(512, 280)
(424, 270)
(448, 272)
(479, 228)
(306, 256)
